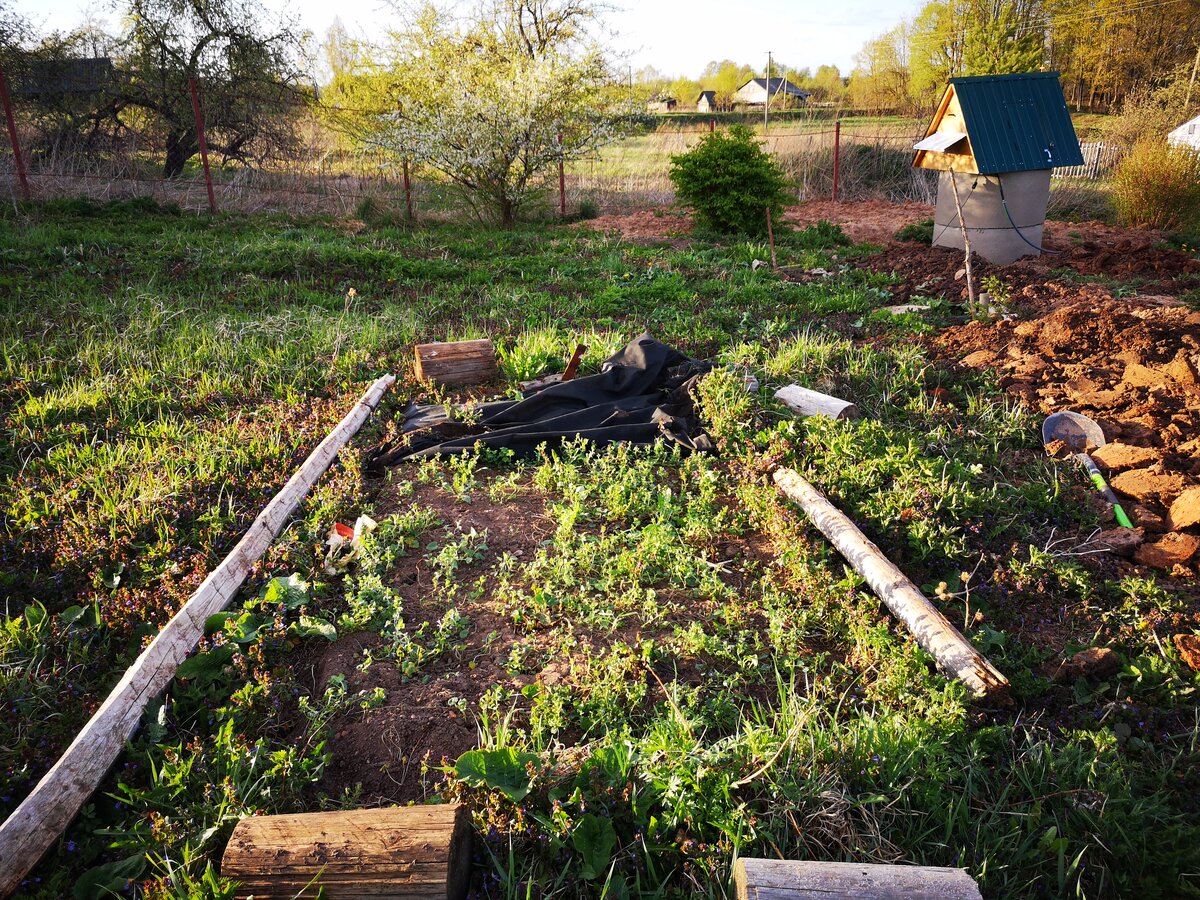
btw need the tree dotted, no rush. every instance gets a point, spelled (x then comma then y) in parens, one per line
(827, 85)
(1004, 37)
(882, 76)
(484, 99)
(247, 69)
(731, 182)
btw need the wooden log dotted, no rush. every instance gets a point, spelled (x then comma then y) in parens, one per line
(781, 879)
(457, 362)
(406, 852)
(955, 655)
(814, 403)
(43, 815)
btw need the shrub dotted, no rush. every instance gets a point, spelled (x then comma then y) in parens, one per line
(588, 208)
(730, 182)
(920, 232)
(1158, 186)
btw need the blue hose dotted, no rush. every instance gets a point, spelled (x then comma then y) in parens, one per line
(1000, 182)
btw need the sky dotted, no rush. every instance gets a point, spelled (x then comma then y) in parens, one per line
(676, 37)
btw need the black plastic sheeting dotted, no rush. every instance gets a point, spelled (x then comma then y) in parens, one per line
(642, 394)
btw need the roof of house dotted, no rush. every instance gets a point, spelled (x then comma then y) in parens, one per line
(1183, 129)
(709, 94)
(1016, 123)
(776, 86)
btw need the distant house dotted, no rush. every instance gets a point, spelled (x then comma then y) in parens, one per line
(661, 104)
(756, 91)
(707, 101)
(1186, 135)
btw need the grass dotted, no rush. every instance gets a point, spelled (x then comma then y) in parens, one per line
(689, 674)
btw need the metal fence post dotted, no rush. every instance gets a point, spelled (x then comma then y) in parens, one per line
(212, 200)
(407, 191)
(12, 137)
(837, 156)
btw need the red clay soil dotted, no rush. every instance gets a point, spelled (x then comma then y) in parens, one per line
(1131, 364)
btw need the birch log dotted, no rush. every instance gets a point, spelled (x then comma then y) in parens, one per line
(814, 403)
(781, 879)
(386, 854)
(43, 816)
(456, 362)
(933, 631)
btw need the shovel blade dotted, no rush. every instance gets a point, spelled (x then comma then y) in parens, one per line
(1077, 431)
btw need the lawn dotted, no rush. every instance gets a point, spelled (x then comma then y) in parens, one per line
(640, 663)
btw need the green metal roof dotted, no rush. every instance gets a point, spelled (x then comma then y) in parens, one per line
(1017, 122)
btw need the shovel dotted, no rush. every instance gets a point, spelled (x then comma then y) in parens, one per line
(1078, 432)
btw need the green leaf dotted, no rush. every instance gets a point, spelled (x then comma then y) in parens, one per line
(110, 879)
(35, 615)
(594, 839)
(72, 614)
(216, 622)
(503, 770)
(312, 626)
(291, 591)
(205, 668)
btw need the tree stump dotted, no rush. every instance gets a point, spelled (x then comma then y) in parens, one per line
(456, 362)
(406, 852)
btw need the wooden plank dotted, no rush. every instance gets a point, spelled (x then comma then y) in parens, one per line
(456, 362)
(955, 655)
(781, 879)
(43, 816)
(813, 403)
(405, 852)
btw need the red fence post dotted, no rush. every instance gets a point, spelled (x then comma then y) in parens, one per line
(407, 191)
(712, 125)
(12, 136)
(837, 156)
(212, 200)
(562, 181)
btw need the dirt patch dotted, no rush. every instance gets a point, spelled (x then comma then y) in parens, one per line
(648, 226)
(1131, 365)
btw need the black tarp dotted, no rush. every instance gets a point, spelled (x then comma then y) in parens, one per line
(642, 394)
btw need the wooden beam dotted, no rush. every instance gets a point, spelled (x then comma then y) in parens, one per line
(43, 815)
(456, 362)
(955, 655)
(813, 403)
(781, 879)
(405, 852)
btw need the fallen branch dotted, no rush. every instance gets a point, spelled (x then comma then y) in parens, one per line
(783, 879)
(933, 631)
(43, 816)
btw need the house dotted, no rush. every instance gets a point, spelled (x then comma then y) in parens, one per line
(706, 102)
(780, 91)
(661, 104)
(1186, 135)
(995, 138)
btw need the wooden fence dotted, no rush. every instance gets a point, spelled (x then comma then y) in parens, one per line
(1098, 161)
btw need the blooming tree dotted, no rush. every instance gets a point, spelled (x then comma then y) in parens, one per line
(483, 100)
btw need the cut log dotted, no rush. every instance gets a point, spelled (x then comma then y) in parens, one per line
(781, 879)
(954, 653)
(457, 362)
(407, 852)
(814, 403)
(43, 816)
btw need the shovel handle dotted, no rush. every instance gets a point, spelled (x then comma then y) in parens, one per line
(1105, 491)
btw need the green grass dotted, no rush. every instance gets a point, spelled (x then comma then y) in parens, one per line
(161, 375)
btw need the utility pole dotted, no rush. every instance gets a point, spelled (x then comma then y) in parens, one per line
(767, 94)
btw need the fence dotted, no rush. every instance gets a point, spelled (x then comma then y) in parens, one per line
(1098, 160)
(852, 158)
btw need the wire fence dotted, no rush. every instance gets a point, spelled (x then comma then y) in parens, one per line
(323, 171)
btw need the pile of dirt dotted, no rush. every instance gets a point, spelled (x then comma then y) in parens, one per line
(1132, 365)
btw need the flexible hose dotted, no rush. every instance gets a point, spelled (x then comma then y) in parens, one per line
(1000, 182)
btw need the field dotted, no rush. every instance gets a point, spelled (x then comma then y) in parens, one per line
(634, 664)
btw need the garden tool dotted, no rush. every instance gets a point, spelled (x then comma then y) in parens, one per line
(1078, 433)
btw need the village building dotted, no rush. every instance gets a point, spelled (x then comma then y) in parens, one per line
(1186, 135)
(781, 92)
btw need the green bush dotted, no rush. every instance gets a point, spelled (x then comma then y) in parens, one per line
(730, 182)
(920, 232)
(1158, 186)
